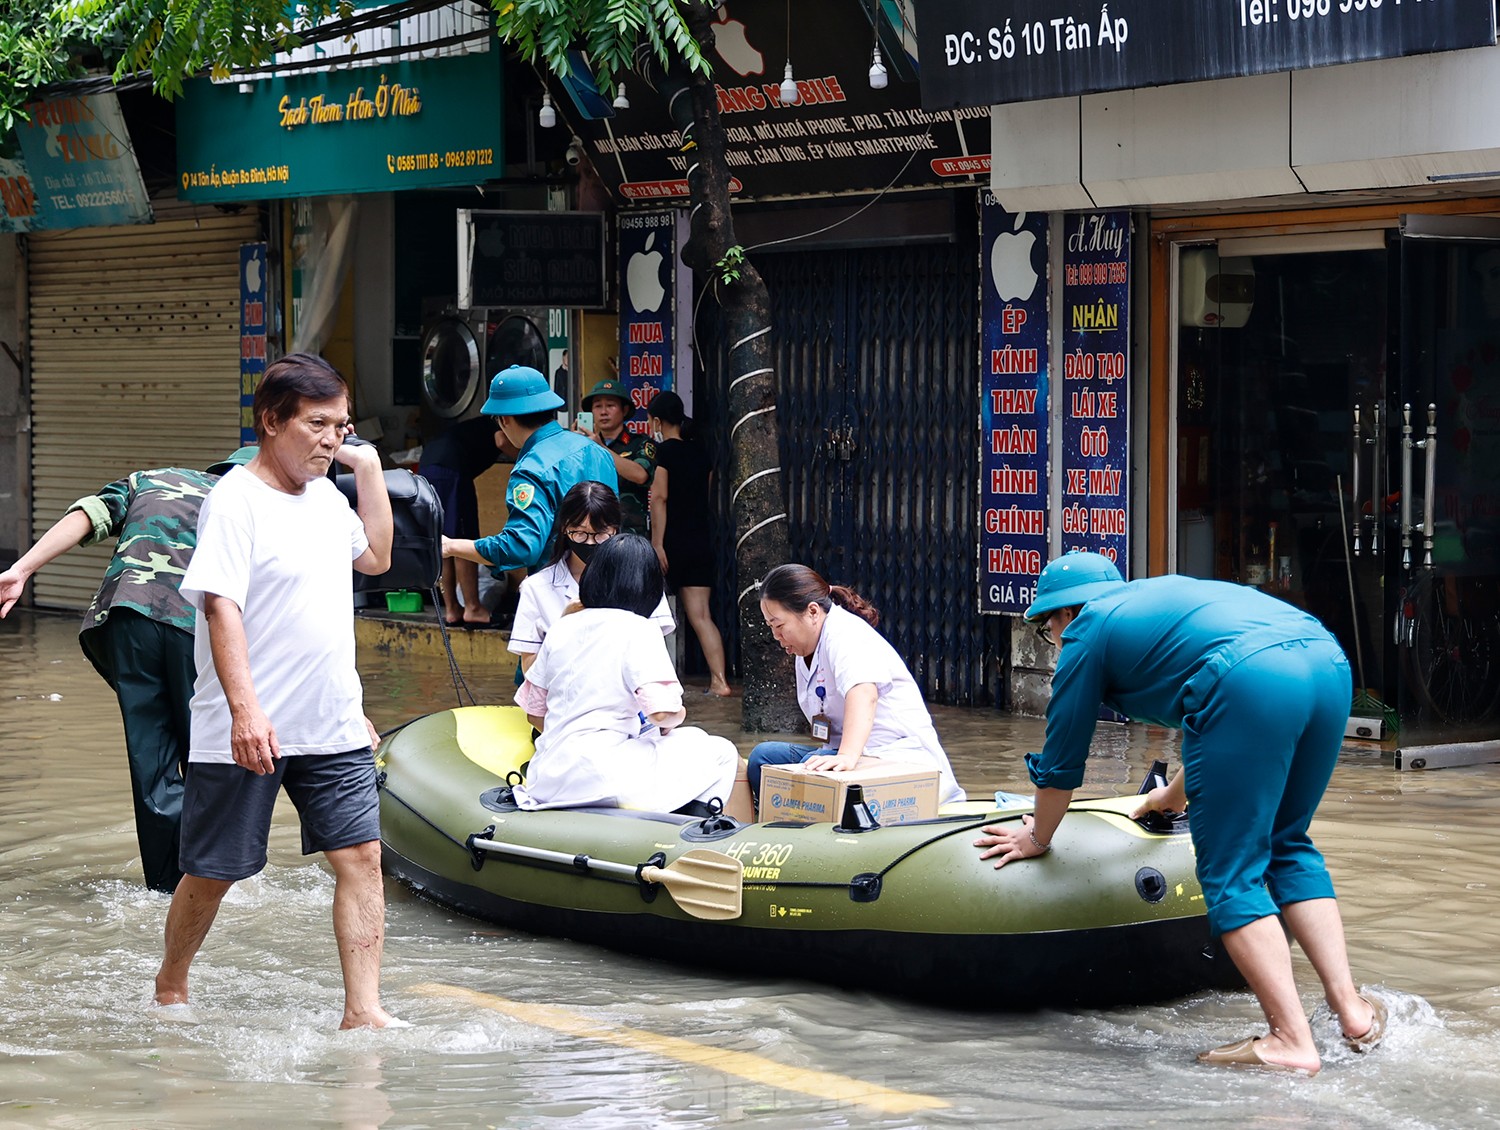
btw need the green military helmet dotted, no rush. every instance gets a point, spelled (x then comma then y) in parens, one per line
(1072, 579)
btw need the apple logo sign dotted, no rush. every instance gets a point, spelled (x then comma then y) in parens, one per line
(1010, 263)
(643, 279)
(733, 47)
(253, 278)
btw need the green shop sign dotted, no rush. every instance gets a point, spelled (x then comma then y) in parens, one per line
(412, 124)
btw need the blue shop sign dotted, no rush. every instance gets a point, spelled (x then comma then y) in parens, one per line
(77, 168)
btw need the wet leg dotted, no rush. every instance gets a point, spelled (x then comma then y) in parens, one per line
(1261, 953)
(467, 573)
(195, 904)
(1319, 930)
(359, 929)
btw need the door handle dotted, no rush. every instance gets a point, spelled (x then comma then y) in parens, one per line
(1429, 488)
(1406, 449)
(1378, 472)
(1355, 520)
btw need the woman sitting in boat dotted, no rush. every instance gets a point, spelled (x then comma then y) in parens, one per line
(587, 517)
(858, 696)
(603, 693)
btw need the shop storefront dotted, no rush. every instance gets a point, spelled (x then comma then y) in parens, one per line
(1315, 335)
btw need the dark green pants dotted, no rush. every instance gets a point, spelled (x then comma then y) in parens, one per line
(150, 666)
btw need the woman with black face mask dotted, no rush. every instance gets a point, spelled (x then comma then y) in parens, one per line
(587, 517)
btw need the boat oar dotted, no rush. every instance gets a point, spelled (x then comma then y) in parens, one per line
(706, 884)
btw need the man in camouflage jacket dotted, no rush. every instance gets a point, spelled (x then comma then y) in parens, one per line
(138, 631)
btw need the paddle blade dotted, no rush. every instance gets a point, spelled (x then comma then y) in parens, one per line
(706, 884)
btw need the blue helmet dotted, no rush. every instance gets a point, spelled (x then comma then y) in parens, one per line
(1072, 579)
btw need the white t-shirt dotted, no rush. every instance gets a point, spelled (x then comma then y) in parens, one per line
(285, 560)
(851, 652)
(543, 597)
(596, 748)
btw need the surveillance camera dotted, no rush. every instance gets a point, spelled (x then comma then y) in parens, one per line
(574, 155)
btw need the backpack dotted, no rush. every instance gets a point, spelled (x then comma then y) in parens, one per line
(417, 540)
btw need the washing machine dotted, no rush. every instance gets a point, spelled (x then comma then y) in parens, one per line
(462, 350)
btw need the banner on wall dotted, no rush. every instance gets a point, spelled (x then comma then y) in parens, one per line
(76, 169)
(253, 313)
(648, 266)
(1013, 406)
(1095, 457)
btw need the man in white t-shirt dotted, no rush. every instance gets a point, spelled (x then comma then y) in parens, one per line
(277, 701)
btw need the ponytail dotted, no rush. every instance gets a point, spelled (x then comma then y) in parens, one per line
(796, 586)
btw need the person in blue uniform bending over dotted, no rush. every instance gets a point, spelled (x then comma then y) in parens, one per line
(1261, 692)
(859, 699)
(552, 461)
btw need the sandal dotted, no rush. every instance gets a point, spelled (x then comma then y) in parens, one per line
(1244, 1053)
(1376, 1032)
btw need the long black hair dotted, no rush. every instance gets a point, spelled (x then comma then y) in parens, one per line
(588, 499)
(623, 573)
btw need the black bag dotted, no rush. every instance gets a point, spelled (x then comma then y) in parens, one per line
(417, 541)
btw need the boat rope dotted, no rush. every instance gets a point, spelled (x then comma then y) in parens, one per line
(878, 876)
(386, 789)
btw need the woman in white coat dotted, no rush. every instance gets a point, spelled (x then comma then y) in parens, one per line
(607, 702)
(858, 696)
(587, 517)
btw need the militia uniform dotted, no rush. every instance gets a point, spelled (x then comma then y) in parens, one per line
(138, 633)
(635, 498)
(551, 463)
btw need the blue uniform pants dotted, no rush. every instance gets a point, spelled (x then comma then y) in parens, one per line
(1257, 758)
(778, 753)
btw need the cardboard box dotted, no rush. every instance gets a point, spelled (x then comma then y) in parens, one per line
(898, 791)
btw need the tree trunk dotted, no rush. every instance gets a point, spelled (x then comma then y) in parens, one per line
(759, 496)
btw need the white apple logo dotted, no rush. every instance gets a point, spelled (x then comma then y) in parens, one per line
(1010, 263)
(252, 275)
(643, 279)
(734, 48)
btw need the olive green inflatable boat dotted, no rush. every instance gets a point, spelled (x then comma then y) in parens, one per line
(1113, 916)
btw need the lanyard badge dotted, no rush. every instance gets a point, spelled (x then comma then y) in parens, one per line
(820, 725)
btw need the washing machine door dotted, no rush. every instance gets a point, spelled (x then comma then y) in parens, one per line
(451, 370)
(515, 339)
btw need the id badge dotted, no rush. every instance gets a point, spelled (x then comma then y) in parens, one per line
(820, 727)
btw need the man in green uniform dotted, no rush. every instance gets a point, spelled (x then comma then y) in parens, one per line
(138, 632)
(634, 455)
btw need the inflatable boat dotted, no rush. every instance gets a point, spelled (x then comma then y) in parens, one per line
(1113, 916)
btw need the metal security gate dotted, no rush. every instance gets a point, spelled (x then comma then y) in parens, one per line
(135, 362)
(878, 409)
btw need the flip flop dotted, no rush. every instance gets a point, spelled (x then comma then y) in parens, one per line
(1244, 1053)
(1376, 1033)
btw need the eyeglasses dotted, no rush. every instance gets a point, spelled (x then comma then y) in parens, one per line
(1044, 633)
(590, 537)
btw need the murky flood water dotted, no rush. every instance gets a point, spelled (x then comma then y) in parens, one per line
(1414, 856)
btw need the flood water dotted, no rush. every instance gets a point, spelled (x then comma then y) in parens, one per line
(518, 1031)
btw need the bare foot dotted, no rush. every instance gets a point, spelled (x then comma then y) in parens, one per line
(482, 618)
(719, 687)
(375, 1017)
(169, 992)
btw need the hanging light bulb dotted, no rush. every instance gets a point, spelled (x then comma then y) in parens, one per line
(547, 116)
(878, 77)
(621, 102)
(789, 95)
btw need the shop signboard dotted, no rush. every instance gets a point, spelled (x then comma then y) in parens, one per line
(76, 168)
(983, 55)
(648, 264)
(253, 332)
(414, 123)
(530, 259)
(841, 136)
(1095, 459)
(1013, 391)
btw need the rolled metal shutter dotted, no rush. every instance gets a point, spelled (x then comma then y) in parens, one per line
(135, 358)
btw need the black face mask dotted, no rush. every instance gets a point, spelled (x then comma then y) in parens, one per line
(584, 549)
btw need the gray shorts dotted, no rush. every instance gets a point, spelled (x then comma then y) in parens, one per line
(226, 810)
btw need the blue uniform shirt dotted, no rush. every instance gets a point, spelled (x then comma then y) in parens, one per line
(553, 461)
(1152, 650)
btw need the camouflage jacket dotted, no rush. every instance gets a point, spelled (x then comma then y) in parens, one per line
(154, 516)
